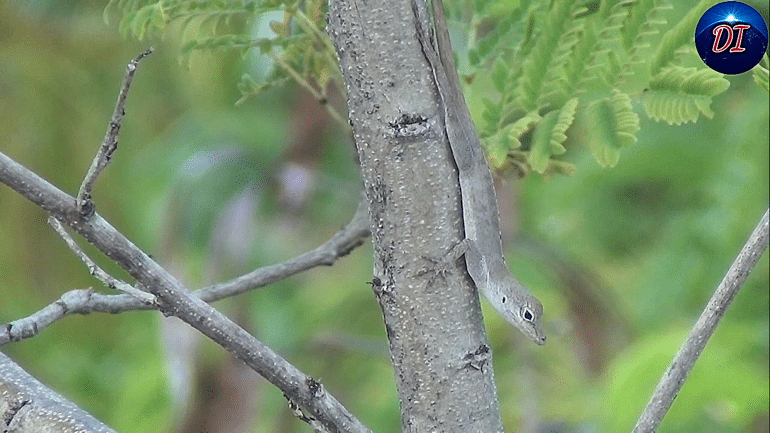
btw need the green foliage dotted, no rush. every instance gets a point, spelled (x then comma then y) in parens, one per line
(679, 36)
(298, 49)
(679, 94)
(548, 59)
(550, 135)
(614, 125)
(595, 55)
(543, 57)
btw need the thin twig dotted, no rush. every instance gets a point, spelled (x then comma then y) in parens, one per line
(110, 142)
(94, 269)
(339, 245)
(302, 81)
(677, 372)
(74, 301)
(174, 299)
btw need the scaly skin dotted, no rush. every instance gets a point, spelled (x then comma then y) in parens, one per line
(482, 246)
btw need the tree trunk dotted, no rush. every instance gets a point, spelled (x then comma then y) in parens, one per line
(438, 346)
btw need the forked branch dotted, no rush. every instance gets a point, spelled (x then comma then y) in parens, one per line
(170, 296)
(110, 142)
(89, 301)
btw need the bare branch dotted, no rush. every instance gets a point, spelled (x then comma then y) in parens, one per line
(107, 279)
(27, 405)
(677, 372)
(74, 301)
(174, 299)
(110, 142)
(339, 245)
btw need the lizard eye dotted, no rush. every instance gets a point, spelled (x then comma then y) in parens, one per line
(504, 299)
(527, 315)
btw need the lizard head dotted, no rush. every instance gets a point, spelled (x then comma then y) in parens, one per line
(523, 311)
(528, 320)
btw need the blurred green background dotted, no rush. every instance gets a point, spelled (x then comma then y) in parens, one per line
(624, 259)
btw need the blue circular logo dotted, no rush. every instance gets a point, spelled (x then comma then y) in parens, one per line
(731, 37)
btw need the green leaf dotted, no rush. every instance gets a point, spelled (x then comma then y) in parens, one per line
(559, 134)
(580, 55)
(158, 18)
(541, 141)
(678, 94)
(490, 42)
(559, 90)
(521, 127)
(279, 28)
(604, 62)
(148, 18)
(561, 167)
(549, 136)
(499, 75)
(473, 57)
(681, 34)
(250, 88)
(499, 145)
(491, 115)
(536, 65)
(496, 149)
(223, 42)
(612, 126)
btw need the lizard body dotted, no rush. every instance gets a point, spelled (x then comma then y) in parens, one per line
(482, 246)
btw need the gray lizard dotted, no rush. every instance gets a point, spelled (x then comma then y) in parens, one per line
(482, 246)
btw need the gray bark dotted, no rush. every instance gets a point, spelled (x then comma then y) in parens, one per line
(438, 346)
(676, 374)
(28, 406)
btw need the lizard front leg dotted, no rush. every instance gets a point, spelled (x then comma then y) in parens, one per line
(475, 262)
